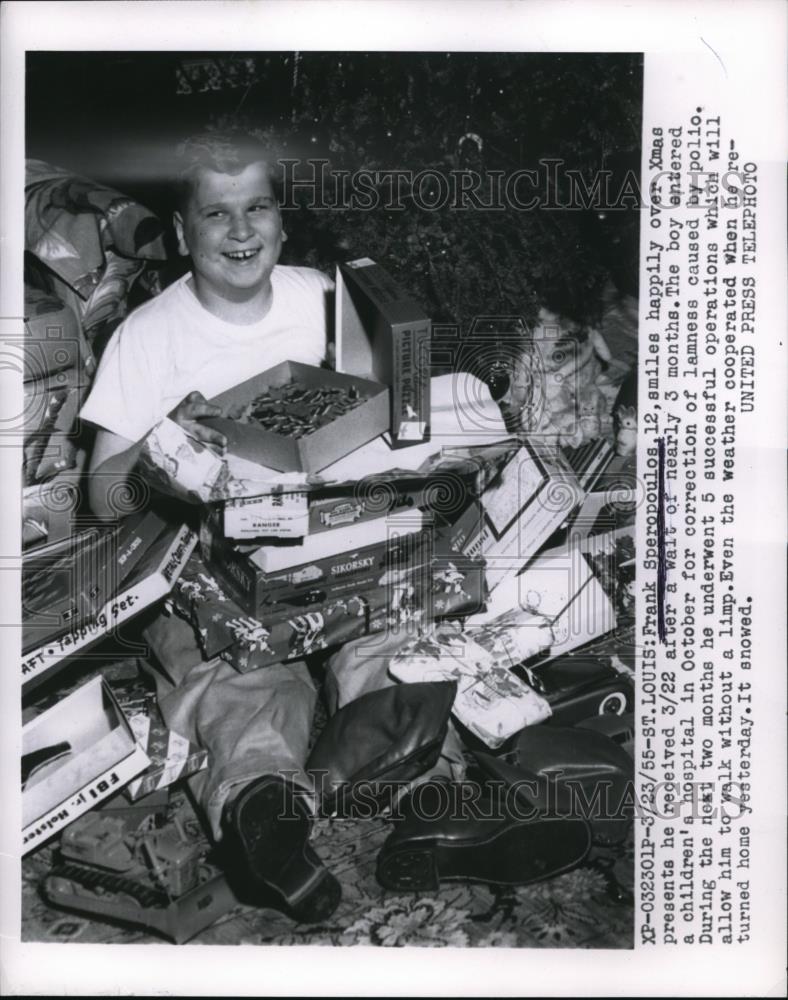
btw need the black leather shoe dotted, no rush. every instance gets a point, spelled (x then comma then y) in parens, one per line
(591, 776)
(481, 844)
(267, 841)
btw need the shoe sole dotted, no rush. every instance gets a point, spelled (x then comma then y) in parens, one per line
(519, 855)
(273, 827)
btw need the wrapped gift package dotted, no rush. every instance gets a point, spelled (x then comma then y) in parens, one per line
(296, 417)
(74, 755)
(223, 628)
(452, 585)
(491, 701)
(179, 465)
(403, 597)
(171, 755)
(382, 334)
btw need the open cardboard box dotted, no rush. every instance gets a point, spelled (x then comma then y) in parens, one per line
(314, 451)
(382, 333)
(101, 756)
(529, 499)
(558, 590)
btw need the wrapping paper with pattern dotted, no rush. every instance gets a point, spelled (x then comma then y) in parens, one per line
(492, 702)
(71, 222)
(171, 755)
(248, 643)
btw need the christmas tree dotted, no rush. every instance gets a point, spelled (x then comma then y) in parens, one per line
(572, 120)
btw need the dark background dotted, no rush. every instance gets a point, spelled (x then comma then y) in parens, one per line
(115, 117)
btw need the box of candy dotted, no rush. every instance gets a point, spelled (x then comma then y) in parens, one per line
(298, 418)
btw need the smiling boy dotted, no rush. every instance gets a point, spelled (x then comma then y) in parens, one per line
(237, 312)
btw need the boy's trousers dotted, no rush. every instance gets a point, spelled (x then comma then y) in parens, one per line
(260, 722)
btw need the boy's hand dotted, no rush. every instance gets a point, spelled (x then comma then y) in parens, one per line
(188, 414)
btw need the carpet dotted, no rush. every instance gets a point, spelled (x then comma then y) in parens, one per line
(590, 907)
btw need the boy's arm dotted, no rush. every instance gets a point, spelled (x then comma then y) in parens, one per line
(111, 467)
(114, 456)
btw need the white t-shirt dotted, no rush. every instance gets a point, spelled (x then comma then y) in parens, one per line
(172, 346)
